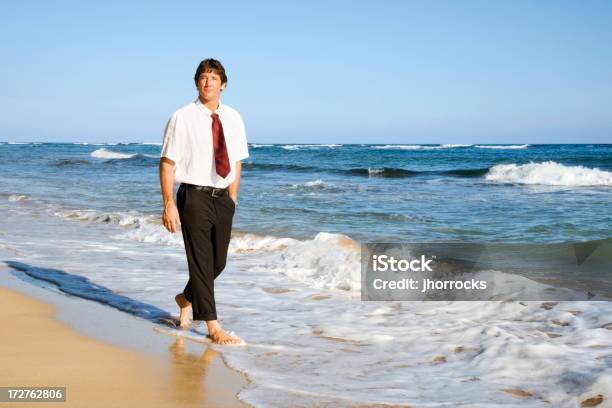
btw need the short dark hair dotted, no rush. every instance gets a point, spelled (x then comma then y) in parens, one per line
(211, 65)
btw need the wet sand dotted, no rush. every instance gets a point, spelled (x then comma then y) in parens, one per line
(134, 366)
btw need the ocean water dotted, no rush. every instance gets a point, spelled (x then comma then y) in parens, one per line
(86, 217)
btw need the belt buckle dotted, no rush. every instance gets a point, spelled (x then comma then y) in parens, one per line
(214, 194)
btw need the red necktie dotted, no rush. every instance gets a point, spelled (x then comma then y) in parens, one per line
(221, 157)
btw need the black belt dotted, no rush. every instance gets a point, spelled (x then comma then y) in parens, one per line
(214, 192)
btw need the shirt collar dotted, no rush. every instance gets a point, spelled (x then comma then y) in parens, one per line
(206, 109)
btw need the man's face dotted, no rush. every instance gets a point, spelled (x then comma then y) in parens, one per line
(209, 86)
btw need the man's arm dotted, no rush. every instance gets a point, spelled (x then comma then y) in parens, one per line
(233, 188)
(170, 216)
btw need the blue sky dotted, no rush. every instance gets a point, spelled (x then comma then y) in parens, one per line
(312, 72)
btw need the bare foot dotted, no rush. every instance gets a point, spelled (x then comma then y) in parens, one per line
(222, 337)
(184, 304)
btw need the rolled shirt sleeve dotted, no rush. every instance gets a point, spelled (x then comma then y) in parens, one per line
(172, 144)
(243, 147)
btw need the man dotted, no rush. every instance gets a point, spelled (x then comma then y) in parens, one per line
(203, 144)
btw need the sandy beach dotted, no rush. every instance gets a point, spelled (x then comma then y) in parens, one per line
(37, 349)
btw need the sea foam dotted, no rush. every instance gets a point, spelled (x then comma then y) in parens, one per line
(102, 153)
(523, 146)
(549, 173)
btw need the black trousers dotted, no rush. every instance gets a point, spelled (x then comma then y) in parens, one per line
(206, 223)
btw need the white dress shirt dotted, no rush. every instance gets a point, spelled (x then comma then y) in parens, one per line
(188, 142)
